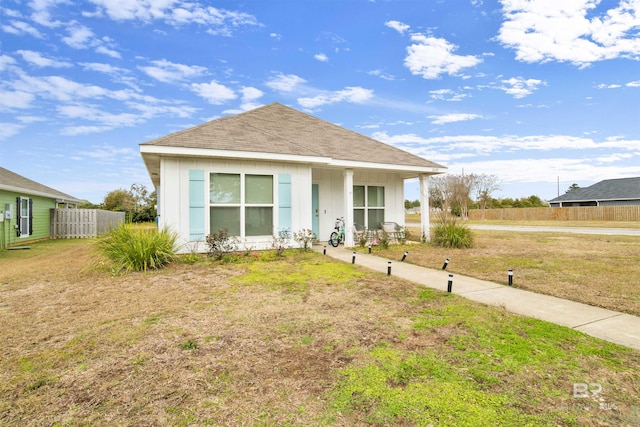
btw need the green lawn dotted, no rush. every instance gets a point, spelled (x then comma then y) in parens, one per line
(299, 340)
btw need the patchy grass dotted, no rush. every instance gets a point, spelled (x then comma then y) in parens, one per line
(300, 340)
(598, 270)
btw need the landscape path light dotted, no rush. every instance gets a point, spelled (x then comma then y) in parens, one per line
(450, 283)
(446, 262)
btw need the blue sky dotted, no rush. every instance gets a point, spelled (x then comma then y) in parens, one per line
(540, 93)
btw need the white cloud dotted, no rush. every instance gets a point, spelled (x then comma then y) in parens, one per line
(251, 93)
(397, 25)
(58, 88)
(213, 92)
(382, 75)
(41, 12)
(84, 130)
(453, 118)
(109, 52)
(35, 58)
(6, 62)
(79, 37)
(20, 28)
(541, 31)
(519, 87)
(321, 57)
(355, 95)
(430, 57)
(174, 12)
(169, 72)
(7, 130)
(635, 83)
(483, 144)
(285, 82)
(15, 99)
(447, 95)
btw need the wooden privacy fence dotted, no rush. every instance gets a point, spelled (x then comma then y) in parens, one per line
(82, 223)
(587, 213)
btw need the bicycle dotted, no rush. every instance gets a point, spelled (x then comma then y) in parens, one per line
(338, 235)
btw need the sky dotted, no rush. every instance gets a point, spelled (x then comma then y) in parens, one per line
(541, 93)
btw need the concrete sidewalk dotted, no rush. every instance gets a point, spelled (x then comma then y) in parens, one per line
(612, 326)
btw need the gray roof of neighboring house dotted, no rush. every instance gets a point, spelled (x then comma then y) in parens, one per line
(609, 189)
(11, 181)
(277, 129)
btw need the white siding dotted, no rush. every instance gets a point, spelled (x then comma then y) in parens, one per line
(174, 203)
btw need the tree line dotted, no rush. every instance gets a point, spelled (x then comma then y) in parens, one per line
(138, 204)
(457, 194)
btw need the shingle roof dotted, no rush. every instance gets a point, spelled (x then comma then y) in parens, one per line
(11, 181)
(609, 189)
(278, 129)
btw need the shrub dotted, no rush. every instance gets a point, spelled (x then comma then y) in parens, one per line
(304, 238)
(221, 244)
(449, 234)
(383, 239)
(138, 250)
(281, 242)
(402, 235)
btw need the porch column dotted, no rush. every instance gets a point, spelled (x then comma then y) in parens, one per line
(424, 207)
(348, 207)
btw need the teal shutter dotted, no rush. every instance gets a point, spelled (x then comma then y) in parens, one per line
(284, 201)
(196, 205)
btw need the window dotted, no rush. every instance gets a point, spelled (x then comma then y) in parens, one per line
(368, 205)
(241, 203)
(25, 217)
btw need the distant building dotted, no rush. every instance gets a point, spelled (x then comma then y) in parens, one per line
(25, 208)
(610, 192)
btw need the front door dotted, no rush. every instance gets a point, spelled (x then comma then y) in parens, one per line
(315, 220)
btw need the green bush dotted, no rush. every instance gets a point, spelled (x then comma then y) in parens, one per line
(138, 249)
(450, 234)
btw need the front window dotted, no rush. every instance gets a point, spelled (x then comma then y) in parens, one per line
(241, 203)
(368, 205)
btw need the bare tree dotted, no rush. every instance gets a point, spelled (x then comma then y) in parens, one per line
(485, 185)
(452, 192)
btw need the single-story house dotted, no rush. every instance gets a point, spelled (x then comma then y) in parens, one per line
(276, 168)
(25, 208)
(610, 192)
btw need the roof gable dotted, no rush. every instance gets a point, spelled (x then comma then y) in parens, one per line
(609, 189)
(13, 182)
(277, 129)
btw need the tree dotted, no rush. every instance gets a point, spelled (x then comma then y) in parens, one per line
(120, 200)
(572, 187)
(485, 185)
(137, 203)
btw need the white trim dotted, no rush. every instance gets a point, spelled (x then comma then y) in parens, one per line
(242, 155)
(253, 155)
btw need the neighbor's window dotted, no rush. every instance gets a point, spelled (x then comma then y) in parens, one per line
(368, 205)
(241, 203)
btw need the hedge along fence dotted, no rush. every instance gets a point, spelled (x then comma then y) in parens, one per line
(590, 213)
(83, 223)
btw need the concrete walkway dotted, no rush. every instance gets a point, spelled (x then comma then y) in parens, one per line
(612, 326)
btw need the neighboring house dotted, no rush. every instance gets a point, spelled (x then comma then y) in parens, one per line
(275, 168)
(26, 206)
(610, 192)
